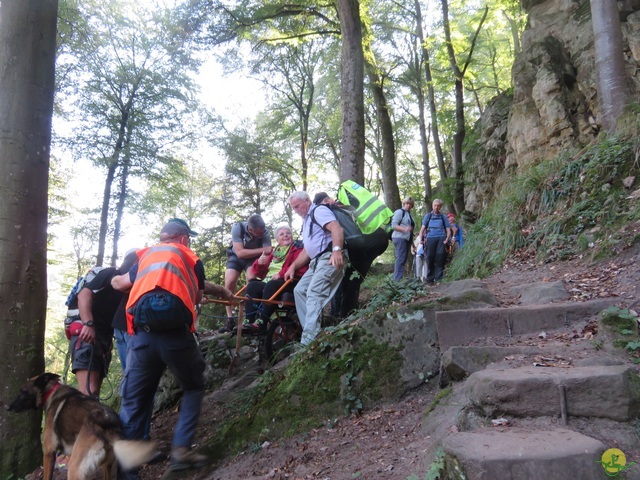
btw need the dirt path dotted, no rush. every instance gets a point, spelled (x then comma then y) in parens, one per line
(386, 442)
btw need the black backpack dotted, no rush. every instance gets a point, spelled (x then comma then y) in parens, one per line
(353, 237)
(72, 298)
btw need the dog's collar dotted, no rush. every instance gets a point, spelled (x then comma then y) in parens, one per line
(48, 394)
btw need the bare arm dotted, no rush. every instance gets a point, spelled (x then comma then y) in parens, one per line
(244, 253)
(122, 282)
(337, 239)
(85, 304)
(217, 290)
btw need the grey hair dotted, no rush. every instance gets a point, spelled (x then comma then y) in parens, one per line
(299, 196)
(436, 200)
(281, 227)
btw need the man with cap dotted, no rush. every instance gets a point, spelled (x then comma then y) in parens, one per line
(165, 286)
(457, 238)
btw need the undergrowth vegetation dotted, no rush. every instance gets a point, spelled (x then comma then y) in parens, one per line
(343, 372)
(579, 203)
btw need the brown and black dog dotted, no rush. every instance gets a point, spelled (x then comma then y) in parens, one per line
(82, 427)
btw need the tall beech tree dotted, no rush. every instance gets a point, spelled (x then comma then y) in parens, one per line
(352, 85)
(461, 128)
(27, 75)
(132, 90)
(611, 76)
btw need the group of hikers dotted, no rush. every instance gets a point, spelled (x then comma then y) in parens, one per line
(439, 237)
(148, 303)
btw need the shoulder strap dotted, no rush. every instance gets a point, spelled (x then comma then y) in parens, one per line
(313, 218)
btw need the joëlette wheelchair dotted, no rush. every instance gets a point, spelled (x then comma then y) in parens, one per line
(282, 330)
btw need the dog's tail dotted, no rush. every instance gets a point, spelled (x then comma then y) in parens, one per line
(133, 453)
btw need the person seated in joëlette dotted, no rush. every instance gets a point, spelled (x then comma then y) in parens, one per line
(268, 271)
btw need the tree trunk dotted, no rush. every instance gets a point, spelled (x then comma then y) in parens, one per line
(424, 144)
(389, 175)
(27, 64)
(108, 183)
(433, 110)
(611, 76)
(122, 199)
(458, 137)
(352, 84)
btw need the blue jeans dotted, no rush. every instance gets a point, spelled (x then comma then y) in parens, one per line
(122, 338)
(148, 356)
(402, 253)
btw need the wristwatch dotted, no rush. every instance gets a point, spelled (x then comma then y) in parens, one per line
(88, 323)
(336, 249)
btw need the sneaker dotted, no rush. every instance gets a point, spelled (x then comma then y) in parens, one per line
(183, 458)
(229, 326)
(250, 328)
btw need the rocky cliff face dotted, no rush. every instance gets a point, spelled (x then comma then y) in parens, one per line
(554, 105)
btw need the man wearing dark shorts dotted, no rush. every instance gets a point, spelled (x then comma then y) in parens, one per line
(249, 240)
(91, 348)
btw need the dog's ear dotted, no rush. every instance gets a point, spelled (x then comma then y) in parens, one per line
(45, 379)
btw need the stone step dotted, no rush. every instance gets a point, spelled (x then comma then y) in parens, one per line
(599, 391)
(460, 362)
(515, 454)
(459, 327)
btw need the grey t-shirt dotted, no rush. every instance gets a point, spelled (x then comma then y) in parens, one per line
(240, 234)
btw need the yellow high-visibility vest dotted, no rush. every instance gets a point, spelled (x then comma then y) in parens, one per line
(370, 212)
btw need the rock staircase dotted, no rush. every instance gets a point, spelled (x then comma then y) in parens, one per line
(518, 410)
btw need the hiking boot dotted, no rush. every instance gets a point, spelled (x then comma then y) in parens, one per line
(229, 326)
(183, 458)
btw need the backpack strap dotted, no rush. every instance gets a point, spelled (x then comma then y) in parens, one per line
(313, 218)
(444, 227)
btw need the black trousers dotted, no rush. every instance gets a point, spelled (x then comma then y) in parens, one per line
(345, 300)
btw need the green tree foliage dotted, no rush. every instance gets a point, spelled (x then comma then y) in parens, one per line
(128, 92)
(256, 172)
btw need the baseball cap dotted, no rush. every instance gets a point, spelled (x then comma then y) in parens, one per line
(451, 215)
(177, 226)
